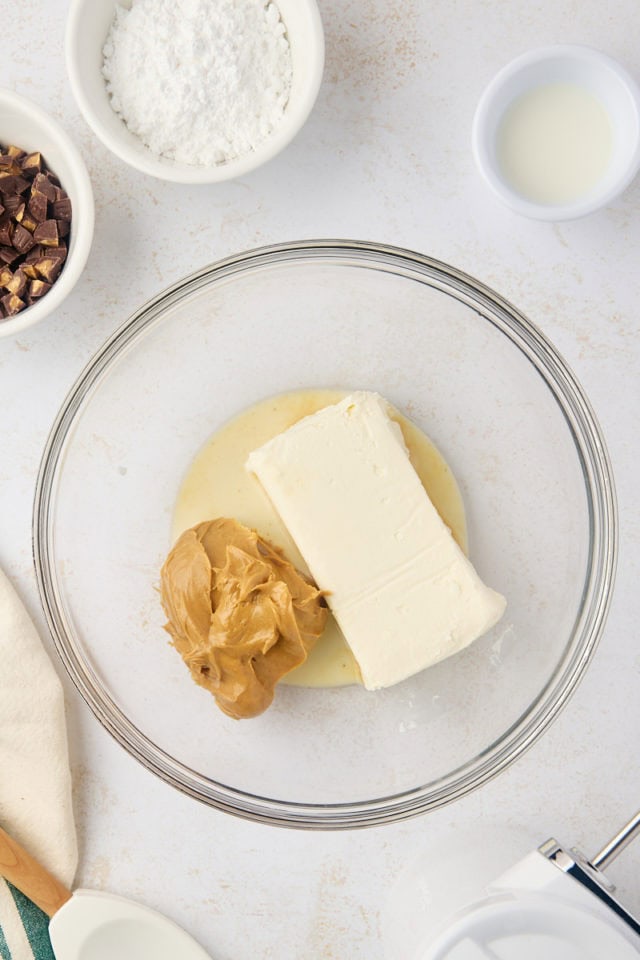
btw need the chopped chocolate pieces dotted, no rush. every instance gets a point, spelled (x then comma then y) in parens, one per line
(59, 252)
(18, 283)
(13, 183)
(42, 183)
(10, 169)
(32, 164)
(8, 255)
(21, 239)
(61, 209)
(6, 229)
(12, 304)
(12, 204)
(28, 221)
(48, 268)
(38, 206)
(37, 289)
(35, 219)
(46, 233)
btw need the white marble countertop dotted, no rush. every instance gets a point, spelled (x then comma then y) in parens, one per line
(385, 156)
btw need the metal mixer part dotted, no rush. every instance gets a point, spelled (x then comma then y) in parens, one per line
(616, 845)
(590, 874)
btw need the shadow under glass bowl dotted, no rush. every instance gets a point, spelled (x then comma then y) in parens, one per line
(477, 377)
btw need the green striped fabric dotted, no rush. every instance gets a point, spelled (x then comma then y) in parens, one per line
(4, 949)
(24, 928)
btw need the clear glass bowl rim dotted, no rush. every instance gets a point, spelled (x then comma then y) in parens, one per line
(603, 537)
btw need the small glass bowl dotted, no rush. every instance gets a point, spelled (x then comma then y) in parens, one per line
(477, 377)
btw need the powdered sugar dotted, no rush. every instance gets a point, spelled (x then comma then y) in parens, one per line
(199, 81)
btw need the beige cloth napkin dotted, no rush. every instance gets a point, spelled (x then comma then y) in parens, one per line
(35, 781)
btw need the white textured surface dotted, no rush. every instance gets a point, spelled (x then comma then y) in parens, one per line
(385, 156)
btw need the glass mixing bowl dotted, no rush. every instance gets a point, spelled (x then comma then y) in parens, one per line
(477, 377)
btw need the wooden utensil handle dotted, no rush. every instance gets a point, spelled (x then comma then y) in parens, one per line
(19, 868)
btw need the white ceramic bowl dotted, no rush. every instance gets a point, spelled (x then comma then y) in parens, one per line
(597, 73)
(31, 128)
(87, 28)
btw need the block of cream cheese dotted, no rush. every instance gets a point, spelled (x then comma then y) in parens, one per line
(403, 592)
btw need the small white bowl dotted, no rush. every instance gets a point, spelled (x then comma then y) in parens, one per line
(88, 24)
(599, 75)
(32, 129)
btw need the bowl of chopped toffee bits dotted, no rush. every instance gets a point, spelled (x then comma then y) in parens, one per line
(46, 214)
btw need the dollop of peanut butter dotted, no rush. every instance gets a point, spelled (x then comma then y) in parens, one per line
(239, 613)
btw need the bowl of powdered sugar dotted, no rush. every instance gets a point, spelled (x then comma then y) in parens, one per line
(195, 91)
